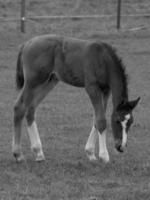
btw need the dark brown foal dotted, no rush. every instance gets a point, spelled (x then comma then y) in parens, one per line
(93, 65)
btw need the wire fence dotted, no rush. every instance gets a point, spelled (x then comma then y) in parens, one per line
(107, 10)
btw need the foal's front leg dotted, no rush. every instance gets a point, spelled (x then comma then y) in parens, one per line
(103, 152)
(96, 97)
(90, 145)
(91, 142)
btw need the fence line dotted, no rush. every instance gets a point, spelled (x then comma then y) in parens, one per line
(30, 17)
(23, 17)
(69, 16)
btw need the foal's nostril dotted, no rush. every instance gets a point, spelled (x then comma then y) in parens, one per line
(119, 148)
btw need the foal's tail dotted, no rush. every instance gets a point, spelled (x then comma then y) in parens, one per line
(19, 70)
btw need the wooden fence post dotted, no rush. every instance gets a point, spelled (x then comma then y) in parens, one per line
(23, 15)
(118, 14)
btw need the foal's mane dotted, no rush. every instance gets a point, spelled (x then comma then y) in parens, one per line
(120, 68)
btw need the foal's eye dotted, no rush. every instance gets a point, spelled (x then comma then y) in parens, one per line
(118, 121)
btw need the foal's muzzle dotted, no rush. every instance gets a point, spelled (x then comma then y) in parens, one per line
(119, 147)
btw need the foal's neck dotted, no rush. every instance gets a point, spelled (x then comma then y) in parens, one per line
(117, 76)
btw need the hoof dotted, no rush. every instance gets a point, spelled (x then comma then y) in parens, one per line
(39, 155)
(19, 157)
(91, 156)
(104, 157)
(40, 158)
(17, 153)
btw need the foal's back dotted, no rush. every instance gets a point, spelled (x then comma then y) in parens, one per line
(73, 61)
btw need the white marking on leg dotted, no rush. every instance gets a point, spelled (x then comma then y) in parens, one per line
(103, 152)
(34, 135)
(124, 133)
(90, 145)
(36, 144)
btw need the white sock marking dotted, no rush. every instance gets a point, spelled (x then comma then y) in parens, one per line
(103, 152)
(90, 145)
(36, 144)
(124, 133)
(34, 136)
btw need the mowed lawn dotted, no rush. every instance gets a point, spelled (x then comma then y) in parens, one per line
(65, 119)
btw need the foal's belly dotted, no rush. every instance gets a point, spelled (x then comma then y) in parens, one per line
(70, 75)
(69, 68)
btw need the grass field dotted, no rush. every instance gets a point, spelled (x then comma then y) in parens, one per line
(65, 118)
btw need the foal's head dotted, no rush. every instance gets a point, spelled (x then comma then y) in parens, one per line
(122, 119)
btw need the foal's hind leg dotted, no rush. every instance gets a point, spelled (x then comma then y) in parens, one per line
(99, 127)
(36, 145)
(19, 113)
(39, 94)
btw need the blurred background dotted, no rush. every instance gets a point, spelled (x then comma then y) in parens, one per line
(90, 16)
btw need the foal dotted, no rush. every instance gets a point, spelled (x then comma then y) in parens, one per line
(45, 60)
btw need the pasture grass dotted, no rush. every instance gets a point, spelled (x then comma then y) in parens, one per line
(64, 120)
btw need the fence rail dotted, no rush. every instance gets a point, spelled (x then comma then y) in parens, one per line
(30, 17)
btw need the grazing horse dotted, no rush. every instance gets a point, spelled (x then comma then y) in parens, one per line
(45, 60)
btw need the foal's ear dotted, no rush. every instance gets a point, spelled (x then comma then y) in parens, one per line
(128, 106)
(133, 104)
